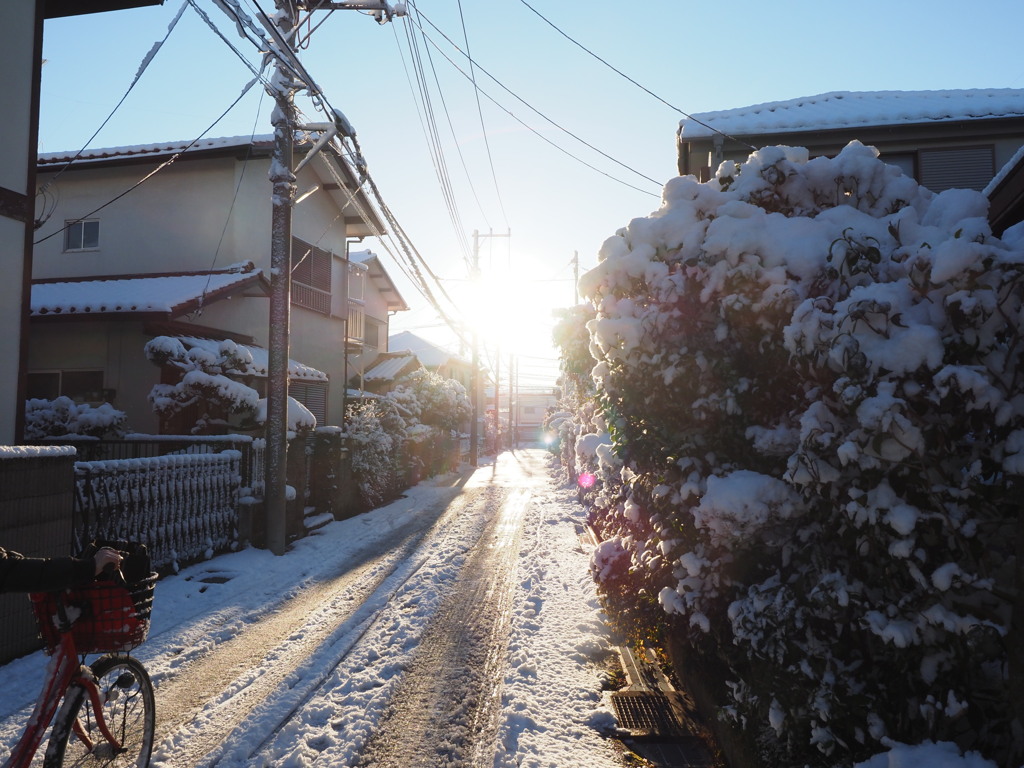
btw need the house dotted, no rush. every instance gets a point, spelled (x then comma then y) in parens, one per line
(1006, 195)
(434, 358)
(528, 414)
(21, 47)
(185, 254)
(944, 139)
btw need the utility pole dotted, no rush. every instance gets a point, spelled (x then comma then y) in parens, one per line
(474, 276)
(284, 84)
(284, 120)
(575, 278)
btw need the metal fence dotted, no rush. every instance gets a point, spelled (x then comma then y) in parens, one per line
(184, 507)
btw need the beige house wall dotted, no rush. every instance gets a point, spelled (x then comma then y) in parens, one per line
(175, 222)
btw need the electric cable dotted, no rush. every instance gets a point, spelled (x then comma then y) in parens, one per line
(479, 111)
(531, 107)
(155, 171)
(451, 128)
(634, 82)
(143, 66)
(435, 145)
(541, 136)
(257, 72)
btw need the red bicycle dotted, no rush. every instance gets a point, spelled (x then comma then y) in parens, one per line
(107, 717)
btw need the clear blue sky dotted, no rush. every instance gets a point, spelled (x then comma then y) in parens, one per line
(696, 56)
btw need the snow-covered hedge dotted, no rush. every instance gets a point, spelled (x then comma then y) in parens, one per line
(63, 416)
(809, 374)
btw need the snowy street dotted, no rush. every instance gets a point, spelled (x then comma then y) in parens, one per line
(457, 626)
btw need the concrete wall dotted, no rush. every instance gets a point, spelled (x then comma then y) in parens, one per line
(36, 516)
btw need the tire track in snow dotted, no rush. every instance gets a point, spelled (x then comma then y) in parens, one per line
(202, 708)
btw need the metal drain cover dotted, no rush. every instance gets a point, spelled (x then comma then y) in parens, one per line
(647, 713)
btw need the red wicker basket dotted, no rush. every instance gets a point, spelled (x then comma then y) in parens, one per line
(105, 616)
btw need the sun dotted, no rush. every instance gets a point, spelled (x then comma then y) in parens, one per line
(513, 310)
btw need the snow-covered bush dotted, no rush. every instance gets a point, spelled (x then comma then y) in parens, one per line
(425, 397)
(63, 416)
(376, 432)
(211, 383)
(214, 386)
(808, 370)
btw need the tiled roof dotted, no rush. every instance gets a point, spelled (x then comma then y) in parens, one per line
(131, 294)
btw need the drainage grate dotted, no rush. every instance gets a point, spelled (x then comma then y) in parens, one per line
(647, 713)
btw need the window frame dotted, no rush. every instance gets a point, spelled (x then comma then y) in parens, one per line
(79, 226)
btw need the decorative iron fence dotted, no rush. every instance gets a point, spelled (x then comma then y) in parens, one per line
(136, 446)
(182, 506)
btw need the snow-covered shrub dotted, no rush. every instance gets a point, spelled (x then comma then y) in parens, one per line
(63, 416)
(425, 397)
(212, 383)
(808, 370)
(376, 432)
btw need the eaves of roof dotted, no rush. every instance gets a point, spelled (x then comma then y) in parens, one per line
(141, 297)
(1006, 198)
(388, 366)
(55, 9)
(382, 281)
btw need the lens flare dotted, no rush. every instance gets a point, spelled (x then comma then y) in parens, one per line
(587, 480)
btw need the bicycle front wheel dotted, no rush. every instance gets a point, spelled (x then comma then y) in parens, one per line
(128, 709)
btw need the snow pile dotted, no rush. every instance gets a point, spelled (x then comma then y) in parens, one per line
(805, 370)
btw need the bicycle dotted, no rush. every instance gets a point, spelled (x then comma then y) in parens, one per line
(107, 717)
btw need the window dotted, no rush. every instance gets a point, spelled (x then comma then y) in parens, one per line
(313, 395)
(82, 235)
(372, 334)
(311, 277)
(963, 167)
(356, 282)
(80, 386)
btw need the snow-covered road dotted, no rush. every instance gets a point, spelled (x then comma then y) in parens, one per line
(455, 627)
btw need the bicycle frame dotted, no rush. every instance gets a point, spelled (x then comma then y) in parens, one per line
(63, 671)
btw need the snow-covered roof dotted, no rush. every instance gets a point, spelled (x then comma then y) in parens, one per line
(259, 365)
(131, 294)
(429, 354)
(159, 148)
(857, 109)
(388, 367)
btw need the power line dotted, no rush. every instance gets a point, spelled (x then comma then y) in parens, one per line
(143, 66)
(434, 145)
(630, 79)
(462, 159)
(536, 111)
(480, 114)
(156, 170)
